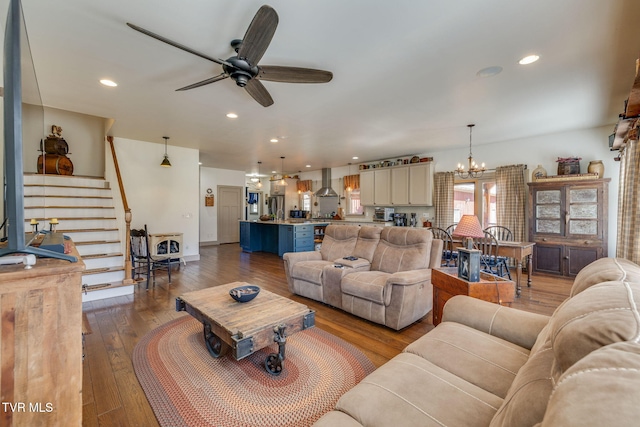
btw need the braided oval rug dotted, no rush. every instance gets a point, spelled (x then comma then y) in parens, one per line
(185, 386)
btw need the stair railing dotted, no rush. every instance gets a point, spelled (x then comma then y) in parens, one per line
(127, 216)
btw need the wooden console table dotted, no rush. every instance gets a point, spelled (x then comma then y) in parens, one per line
(447, 284)
(41, 343)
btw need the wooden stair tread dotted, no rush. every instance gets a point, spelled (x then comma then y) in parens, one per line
(108, 255)
(102, 270)
(87, 230)
(102, 286)
(67, 186)
(95, 242)
(69, 207)
(49, 196)
(84, 218)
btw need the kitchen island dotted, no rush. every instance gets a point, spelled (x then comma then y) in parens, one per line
(279, 237)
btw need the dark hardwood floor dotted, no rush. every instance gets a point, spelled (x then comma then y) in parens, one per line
(111, 393)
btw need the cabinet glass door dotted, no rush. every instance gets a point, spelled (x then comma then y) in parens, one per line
(548, 212)
(583, 211)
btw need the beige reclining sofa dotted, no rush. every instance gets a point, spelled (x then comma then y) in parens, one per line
(489, 365)
(388, 282)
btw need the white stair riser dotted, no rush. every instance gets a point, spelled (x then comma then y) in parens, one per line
(106, 248)
(107, 293)
(65, 201)
(114, 261)
(65, 180)
(90, 236)
(67, 191)
(69, 213)
(76, 224)
(107, 277)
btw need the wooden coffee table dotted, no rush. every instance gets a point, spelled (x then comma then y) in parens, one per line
(245, 328)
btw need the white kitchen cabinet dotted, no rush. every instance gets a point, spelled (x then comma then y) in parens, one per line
(382, 187)
(400, 185)
(421, 184)
(366, 188)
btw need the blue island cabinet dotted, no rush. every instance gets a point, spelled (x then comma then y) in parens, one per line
(276, 238)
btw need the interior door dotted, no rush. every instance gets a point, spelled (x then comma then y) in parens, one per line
(229, 213)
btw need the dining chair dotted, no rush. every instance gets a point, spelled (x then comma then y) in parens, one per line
(142, 262)
(450, 228)
(500, 232)
(490, 262)
(449, 255)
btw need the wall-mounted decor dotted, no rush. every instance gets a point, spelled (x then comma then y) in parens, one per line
(208, 199)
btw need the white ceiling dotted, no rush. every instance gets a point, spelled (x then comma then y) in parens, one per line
(404, 73)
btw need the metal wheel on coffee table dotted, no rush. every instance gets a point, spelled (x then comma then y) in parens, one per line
(215, 345)
(274, 363)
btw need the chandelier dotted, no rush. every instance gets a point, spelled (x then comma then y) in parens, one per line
(474, 170)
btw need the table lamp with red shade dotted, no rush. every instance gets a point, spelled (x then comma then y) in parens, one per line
(468, 258)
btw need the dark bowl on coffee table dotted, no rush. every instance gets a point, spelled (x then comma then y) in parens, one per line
(244, 293)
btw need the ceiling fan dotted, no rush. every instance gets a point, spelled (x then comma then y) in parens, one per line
(243, 68)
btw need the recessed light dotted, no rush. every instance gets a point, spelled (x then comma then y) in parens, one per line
(273, 140)
(528, 60)
(107, 82)
(274, 172)
(308, 166)
(232, 115)
(354, 158)
(489, 71)
(200, 163)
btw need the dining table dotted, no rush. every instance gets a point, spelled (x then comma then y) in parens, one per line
(518, 251)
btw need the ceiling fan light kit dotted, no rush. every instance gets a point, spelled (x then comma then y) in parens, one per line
(243, 68)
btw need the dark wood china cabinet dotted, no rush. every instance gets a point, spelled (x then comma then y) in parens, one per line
(568, 223)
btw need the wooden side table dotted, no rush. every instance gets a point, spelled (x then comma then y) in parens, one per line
(447, 284)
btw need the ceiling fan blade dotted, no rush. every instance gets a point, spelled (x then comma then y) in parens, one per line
(259, 92)
(275, 73)
(258, 35)
(178, 45)
(205, 82)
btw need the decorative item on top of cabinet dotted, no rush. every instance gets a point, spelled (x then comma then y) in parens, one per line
(568, 165)
(568, 223)
(538, 173)
(596, 166)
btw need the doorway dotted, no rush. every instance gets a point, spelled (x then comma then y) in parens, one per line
(229, 213)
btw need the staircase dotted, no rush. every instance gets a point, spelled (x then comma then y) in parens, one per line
(85, 212)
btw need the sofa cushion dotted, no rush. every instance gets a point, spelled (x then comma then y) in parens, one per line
(310, 271)
(411, 391)
(402, 249)
(368, 239)
(367, 285)
(605, 270)
(339, 241)
(600, 315)
(526, 401)
(486, 361)
(602, 389)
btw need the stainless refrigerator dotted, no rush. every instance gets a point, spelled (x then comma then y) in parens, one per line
(276, 206)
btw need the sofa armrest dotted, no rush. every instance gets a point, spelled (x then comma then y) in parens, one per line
(516, 326)
(361, 264)
(410, 277)
(291, 258)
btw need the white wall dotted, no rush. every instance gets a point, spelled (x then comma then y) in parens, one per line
(212, 178)
(166, 199)
(84, 135)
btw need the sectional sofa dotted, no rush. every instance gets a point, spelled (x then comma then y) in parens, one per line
(387, 281)
(489, 365)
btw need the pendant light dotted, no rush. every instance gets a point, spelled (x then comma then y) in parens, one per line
(165, 162)
(349, 189)
(282, 181)
(259, 184)
(474, 170)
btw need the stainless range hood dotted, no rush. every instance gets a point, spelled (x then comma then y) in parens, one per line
(326, 190)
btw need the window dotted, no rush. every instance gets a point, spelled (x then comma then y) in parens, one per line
(306, 201)
(354, 206)
(476, 197)
(254, 200)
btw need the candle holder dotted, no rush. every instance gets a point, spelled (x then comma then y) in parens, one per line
(53, 224)
(34, 225)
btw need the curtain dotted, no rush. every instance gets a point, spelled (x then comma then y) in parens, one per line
(253, 198)
(352, 181)
(511, 196)
(304, 186)
(628, 244)
(443, 199)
